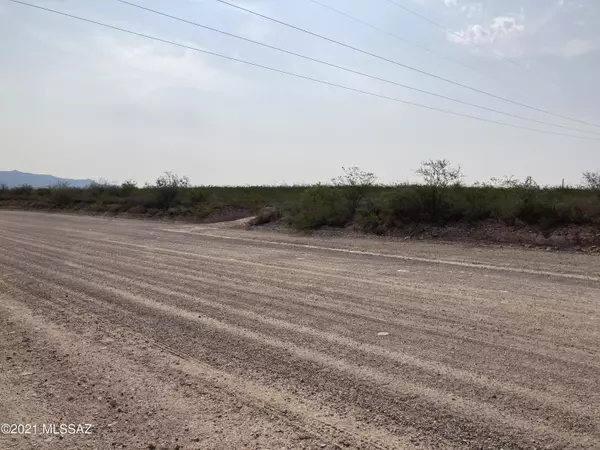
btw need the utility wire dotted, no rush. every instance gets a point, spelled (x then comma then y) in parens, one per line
(454, 33)
(292, 74)
(448, 30)
(414, 69)
(402, 39)
(180, 19)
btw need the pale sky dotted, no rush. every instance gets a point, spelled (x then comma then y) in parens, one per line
(81, 101)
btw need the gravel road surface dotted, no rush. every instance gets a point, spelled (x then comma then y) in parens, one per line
(173, 336)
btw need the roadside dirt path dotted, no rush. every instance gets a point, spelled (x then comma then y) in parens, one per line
(211, 337)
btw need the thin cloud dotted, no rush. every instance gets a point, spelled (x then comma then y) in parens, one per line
(556, 28)
(501, 30)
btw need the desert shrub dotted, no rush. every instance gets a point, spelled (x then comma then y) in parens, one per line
(95, 207)
(439, 176)
(251, 200)
(533, 205)
(504, 209)
(106, 192)
(43, 192)
(409, 205)
(319, 206)
(591, 180)
(99, 187)
(579, 210)
(148, 198)
(128, 188)
(169, 187)
(23, 190)
(416, 204)
(62, 195)
(201, 211)
(355, 183)
(470, 204)
(353, 198)
(401, 207)
(195, 196)
(370, 215)
(440, 173)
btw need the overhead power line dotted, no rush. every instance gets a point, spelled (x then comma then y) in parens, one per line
(414, 69)
(402, 39)
(458, 35)
(326, 63)
(292, 74)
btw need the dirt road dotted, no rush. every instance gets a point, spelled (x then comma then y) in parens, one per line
(179, 336)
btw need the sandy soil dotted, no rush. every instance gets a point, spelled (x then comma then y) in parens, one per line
(215, 337)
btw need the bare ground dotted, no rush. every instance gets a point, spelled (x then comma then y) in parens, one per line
(182, 336)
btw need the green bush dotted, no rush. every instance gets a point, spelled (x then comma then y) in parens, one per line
(352, 199)
(23, 190)
(355, 184)
(99, 188)
(128, 188)
(43, 192)
(169, 187)
(195, 196)
(62, 195)
(469, 204)
(416, 204)
(319, 206)
(370, 215)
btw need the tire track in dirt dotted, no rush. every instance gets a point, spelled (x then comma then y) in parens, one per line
(436, 369)
(229, 308)
(519, 270)
(418, 297)
(306, 415)
(305, 330)
(364, 313)
(337, 431)
(349, 275)
(459, 406)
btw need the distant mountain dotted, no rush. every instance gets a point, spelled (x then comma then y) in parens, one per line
(12, 178)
